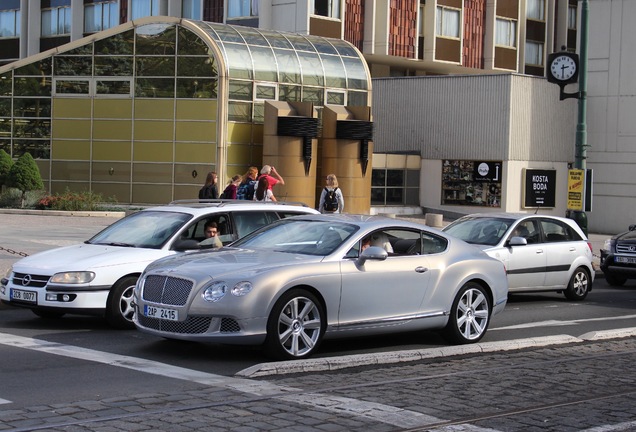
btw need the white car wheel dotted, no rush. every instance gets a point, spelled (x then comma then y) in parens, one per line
(119, 310)
(579, 285)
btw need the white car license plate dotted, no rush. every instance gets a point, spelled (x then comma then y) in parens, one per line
(24, 296)
(625, 260)
(161, 313)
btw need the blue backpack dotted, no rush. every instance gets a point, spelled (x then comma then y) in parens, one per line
(245, 190)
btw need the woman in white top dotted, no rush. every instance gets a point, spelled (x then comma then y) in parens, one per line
(331, 198)
(263, 192)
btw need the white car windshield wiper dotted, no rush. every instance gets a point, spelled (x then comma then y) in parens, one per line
(121, 244)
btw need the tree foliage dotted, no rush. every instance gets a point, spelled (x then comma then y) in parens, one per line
(5, 166)
(25, 176)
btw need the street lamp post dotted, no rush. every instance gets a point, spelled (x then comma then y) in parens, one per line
(580, 157)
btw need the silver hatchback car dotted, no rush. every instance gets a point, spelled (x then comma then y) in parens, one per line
(541, 253)
(292, 283)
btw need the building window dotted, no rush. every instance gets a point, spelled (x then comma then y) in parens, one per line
(265, 92)
(506, 34)
(395, 187)
(144, 8)
(56, 21)
(535, 10)
(9, 23)
(100, 16)
(327, 8)
(534, 53)
(572, 17)
(242, 8)
(447, 22)
(336, 97)
(192, 9)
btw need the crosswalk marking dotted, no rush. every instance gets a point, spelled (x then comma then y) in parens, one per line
(341, 405)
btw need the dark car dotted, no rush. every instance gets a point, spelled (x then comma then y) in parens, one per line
(618, 257)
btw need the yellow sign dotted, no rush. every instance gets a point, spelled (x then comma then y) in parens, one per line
(576, 187)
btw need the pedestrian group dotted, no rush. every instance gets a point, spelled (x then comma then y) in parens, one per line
(254, 187)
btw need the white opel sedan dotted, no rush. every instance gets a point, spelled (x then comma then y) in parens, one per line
(541, 253)
(300, 279)
(97, 277)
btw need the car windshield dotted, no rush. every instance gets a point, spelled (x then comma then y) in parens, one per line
(480, 230)
(144, 229)
(299, 236)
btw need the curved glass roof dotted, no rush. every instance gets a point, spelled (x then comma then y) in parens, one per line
(288, 57)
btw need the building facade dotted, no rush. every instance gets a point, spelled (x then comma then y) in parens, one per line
(611, 110)
(141, 112)
(409, 38)
(397, 38)
(487, 143)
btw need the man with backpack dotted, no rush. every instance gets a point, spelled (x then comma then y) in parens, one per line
(331, 199)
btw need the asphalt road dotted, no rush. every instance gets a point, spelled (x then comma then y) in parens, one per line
(545, 364)
(76, 374)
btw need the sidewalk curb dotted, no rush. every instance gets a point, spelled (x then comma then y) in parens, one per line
(343, 362)
(117, 214)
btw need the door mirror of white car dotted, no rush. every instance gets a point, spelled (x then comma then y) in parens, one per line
(185, 245)
(372, 253)
(517, 241)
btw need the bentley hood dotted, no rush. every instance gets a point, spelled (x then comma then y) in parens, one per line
(227, 261)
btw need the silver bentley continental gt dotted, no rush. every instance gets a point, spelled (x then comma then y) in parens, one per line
(291, 284)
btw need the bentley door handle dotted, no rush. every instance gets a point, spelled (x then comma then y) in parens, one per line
(421, 269)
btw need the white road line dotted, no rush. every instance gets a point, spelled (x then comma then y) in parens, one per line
(557, 323)
(345, 406)
(4, 401)
(628, 426)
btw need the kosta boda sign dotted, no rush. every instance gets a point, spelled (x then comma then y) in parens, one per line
(540, 188)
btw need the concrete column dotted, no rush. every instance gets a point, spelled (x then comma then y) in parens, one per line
(286, 153)
(342, 158)
(489, 35)
(77, 19)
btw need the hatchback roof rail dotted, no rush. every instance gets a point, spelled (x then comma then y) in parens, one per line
(222, 202)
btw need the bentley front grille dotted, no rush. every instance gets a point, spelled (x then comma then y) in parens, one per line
(166, 290)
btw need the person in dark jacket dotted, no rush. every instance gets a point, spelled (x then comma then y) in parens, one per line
(209, 189)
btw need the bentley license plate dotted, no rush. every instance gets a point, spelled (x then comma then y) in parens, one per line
(24, 296)
(161, 313)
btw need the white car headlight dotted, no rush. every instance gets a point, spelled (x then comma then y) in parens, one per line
(5, 280)
(242, 288)
(607, 245)
(214, 291)
(80, 277)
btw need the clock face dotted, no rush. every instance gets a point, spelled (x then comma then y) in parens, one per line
(563, 68)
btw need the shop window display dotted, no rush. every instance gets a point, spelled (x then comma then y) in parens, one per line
(472, 183)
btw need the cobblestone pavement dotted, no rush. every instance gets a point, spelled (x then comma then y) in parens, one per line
(586, 386)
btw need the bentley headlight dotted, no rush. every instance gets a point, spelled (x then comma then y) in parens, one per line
(242, 288)
(80, 277)
(214, 291)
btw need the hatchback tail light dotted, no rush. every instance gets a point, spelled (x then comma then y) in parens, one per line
(589, 244)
